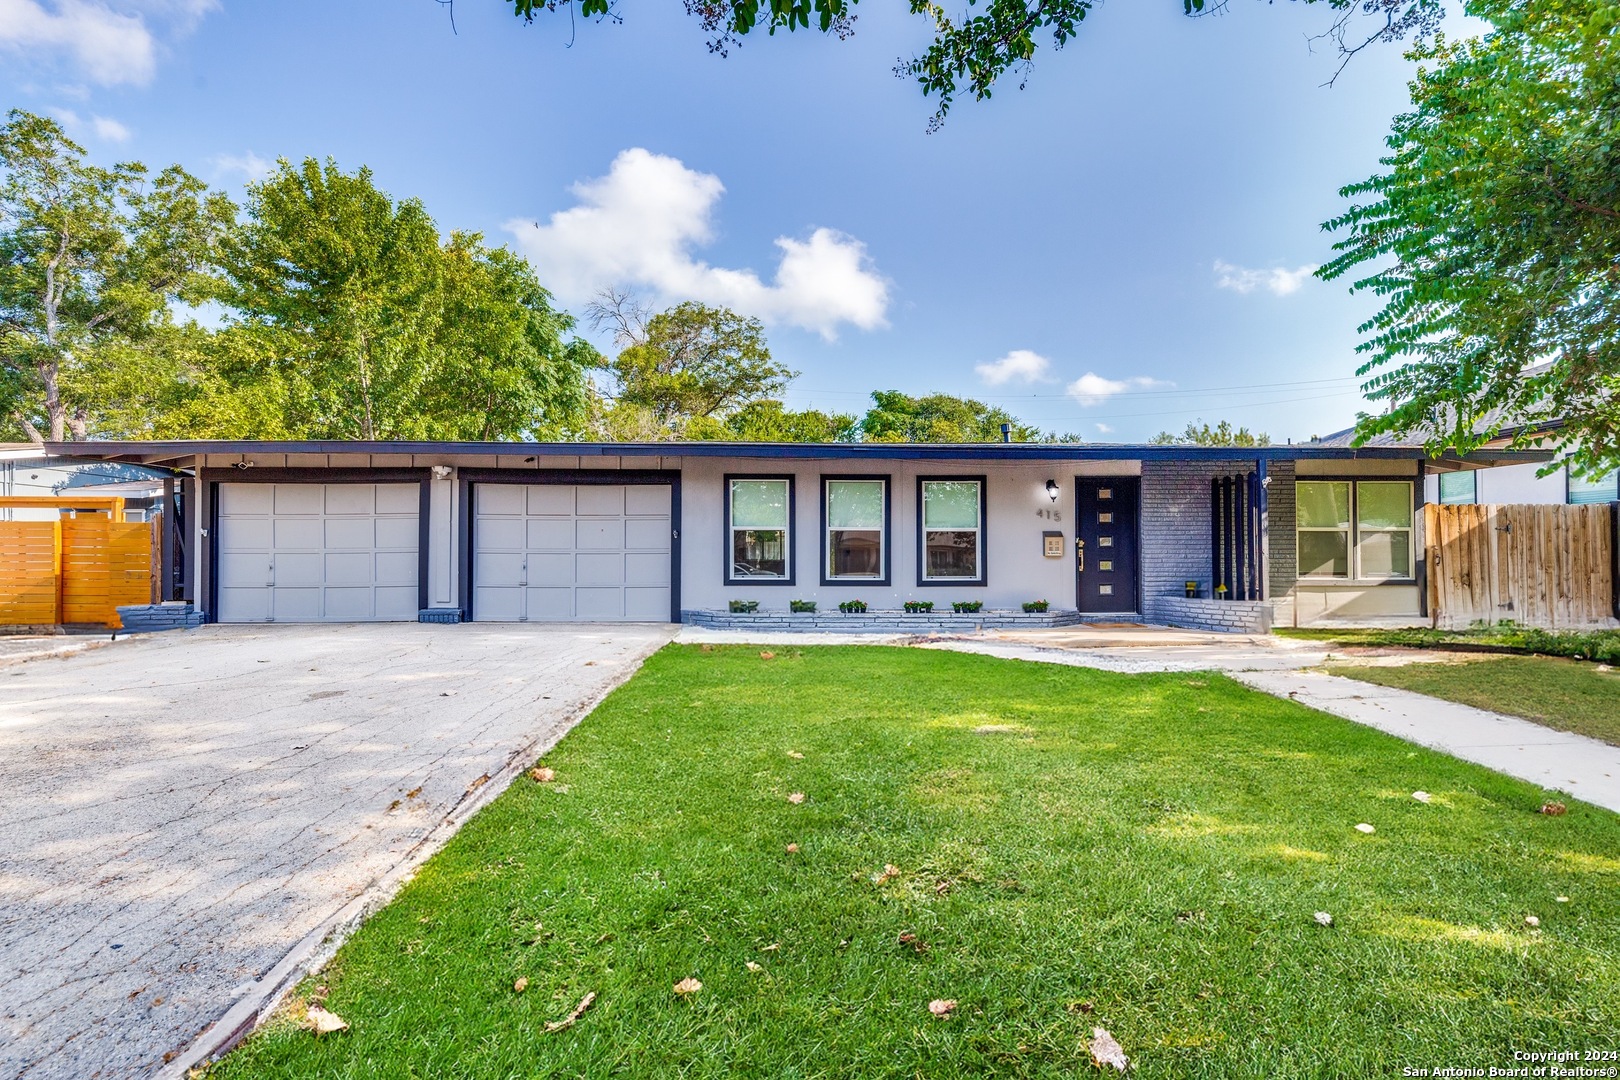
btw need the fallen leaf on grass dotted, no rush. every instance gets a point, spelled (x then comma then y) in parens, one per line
(1554, 809)
(521, 985)
(687, 986)
(1531, 921)
(323, 1022)
(756, 968)
(1105, 1050)
(793, 849)
(772, 947)
(542, 775)
(579, 1011)
(795, 755)
(767, 656)
(1365, 828)
(796, 798)
(1324, 919)
(918, 945)
(890, 872)
(1561, 899)
(942, 1006)
(1421, 796)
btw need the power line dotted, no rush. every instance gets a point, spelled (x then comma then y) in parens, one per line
(1171, 392)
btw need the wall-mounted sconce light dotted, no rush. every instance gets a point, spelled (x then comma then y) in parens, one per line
(1052, 489)
(442, 472)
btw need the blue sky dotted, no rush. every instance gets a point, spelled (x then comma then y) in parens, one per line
(1117, 249)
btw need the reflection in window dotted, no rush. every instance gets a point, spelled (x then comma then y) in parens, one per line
(855, 519)
(1360, 529)
(952, 531)
(759, 528)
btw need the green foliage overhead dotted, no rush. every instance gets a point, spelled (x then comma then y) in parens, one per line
(1201, 434)
(970, 51)
(1493, 237)
(938, 418)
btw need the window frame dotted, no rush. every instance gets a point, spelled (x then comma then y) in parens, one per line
(1569, 489)
(983, 578)
(1473, 488)
(1356, 577)
(728, 538)
(886, 536)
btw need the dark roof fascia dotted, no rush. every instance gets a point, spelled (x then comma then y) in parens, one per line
(147, 453)
(49, 458)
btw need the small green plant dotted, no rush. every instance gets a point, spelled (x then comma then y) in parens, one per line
(743, 607)
(801, 607)
(853, 607)
(919, 607)
(1033, 606)
(966, 607)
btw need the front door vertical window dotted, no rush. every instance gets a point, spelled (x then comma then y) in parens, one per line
(856, 514)
(953, 530)
(759, 541)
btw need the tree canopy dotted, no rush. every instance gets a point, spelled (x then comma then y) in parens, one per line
(1202, 434)
(971, 52)
(939, 418)
(1492, 235)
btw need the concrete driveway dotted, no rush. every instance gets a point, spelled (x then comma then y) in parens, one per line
(185, 817)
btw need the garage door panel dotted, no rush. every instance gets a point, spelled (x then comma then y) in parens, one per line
(504, 534)
(551, 534)
(351, 499)
(245, 534)
(599, 568)
(592, 534)
(298, 533)
(399, 498)
(396, 568)
(647, 535)
(400, 533)
(300, 568)
(295, 605)
(594, 501)
(246, 499)
(645, 568)
(553, 500)
(396, 603)
(251, 569)
(244, 604)
(298, 498)
(499, 499)
(498, 568)
(646, 604)
(347, 603)
(649, 499)
(355, 567)
(603, 604)
(551, 568)
(550, 605)
(498, 603)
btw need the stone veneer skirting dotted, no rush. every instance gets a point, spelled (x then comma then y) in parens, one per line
(143, 618)
(886, 622)
(1233, 616)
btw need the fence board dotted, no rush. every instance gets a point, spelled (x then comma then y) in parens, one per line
(74, 570)
(1545, 566)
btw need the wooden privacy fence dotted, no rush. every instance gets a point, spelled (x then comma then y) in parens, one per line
(1546, 566)
(75, 570)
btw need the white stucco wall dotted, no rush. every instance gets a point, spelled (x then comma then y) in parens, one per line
(1505, 484)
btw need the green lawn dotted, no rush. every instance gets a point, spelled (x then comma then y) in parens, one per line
(1074, 848)
(1563, 694)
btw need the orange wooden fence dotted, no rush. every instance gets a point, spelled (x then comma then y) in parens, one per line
(75, 570)
(1545, 566)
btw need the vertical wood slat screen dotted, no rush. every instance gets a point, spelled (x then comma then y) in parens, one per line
(1234, 537)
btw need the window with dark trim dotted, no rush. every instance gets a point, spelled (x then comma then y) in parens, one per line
(950, 540)
(1354, 530)
(855, 530)
(1604, 489)
(1459, 487)
(759, 530)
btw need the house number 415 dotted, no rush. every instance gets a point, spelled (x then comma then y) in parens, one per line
(1049, 514)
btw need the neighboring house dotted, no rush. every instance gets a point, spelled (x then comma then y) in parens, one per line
(26, 469)
(340, 531)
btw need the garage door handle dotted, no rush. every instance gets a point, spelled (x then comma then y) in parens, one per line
(271, 580)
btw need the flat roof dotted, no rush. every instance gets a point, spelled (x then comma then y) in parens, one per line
(176, 451)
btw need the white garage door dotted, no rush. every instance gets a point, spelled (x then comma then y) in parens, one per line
(555, 552)
(318, 552)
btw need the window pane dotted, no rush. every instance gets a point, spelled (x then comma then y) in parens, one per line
(1386, 554)
(1383, 505)
(1323, 504)
(855, 504)
(1457, 487)
(951, 555)
(855, 553)
(1324, 554)
(759, 504)
(951, 504)
(758, 553)
(1603, 489)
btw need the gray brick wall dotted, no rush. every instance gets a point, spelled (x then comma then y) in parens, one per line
(1235, 616)
(1280, 503)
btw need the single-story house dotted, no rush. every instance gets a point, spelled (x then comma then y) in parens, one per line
(1211, 537)
(27, 469)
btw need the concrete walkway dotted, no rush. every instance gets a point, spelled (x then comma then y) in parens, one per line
(192, 818)
(1557, 760)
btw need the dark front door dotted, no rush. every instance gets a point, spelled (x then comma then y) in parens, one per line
(1107, 511)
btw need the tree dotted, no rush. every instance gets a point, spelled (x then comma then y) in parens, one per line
(689, 365)
(91, 259)
(971, 52)
(938, 418)
(1493, 239)
(769, 421)
(355, 321)
(1201, 434)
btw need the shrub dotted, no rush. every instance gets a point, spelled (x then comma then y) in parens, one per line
(919, 607)
(852, 607)
(743, 607)
(1032, 606)
(966, 607)
(801, 607)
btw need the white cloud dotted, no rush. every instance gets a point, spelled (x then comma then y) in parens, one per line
(1093, 389)
(1279, 280)
(108, 41)
(637, 227)
(109, 129)
(102, 127)
(1104, 429)
(1020, 364)
(249, 165)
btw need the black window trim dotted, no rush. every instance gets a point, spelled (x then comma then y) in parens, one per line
(888, 533)
(788, 533)
(924, 582)
(1414, 482)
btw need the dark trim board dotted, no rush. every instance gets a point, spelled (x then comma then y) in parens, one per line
(469, 480)
(210, 479)
(984, 537)
(888, 532)
(791, 534)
